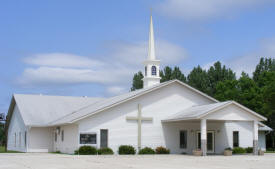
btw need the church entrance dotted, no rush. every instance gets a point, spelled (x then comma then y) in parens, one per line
(210, 141)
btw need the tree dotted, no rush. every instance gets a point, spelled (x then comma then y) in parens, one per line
(166, 74)
(137, 81)
(2, 134)
(227, 90)
(250, 93)
(198, 79)
(177, 74)
(217, 73)
(265, 64)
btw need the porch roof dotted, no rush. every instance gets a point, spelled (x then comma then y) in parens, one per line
(263, 127)
(195, 112)
(200, 111)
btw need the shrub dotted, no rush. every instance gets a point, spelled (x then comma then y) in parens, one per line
(238, 150)
(105, 151)
(146, 150)
(228, 148)
(86, 150)
(126, 149)
(162, 150)
(249, 150)
(270, 149)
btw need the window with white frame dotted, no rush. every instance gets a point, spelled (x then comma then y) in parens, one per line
(19, 139)
(183, 139)
(62, 135)
(154, 70)
(25, 139)
(14, 139)
(87, 138)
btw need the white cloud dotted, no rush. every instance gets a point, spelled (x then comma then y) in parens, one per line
(115, 90)
(115, 72)
(205, 9)
(249, 61)
(62, 60)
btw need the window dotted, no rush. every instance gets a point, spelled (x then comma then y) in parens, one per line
(235, 139)
(19, 139)
(154, 70)
(183, 139)
(87, 138)
(103, 138)
(14, 139)
(145, 70)
(62, 135)
(25, 139)
(55, 136)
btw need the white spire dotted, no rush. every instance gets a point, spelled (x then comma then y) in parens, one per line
(151, 48)
(151, 71)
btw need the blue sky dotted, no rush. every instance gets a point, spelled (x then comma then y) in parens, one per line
(93, 48)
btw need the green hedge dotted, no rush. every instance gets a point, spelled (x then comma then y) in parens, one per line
(126, 149)
(249, 150)
(238, 150)
(86, 150)
(105, 151)
(162, 150)
(146, 150)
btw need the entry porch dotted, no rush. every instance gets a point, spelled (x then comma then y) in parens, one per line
(212, 128)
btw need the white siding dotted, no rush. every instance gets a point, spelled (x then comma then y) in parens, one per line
(223, 134)
(40, 139)
(70, 143)
(16, 126)
(232, 112)
(158, 104)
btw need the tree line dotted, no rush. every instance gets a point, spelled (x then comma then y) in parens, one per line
(256, 92)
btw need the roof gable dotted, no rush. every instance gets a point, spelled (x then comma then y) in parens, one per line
(114, 101)
(209, 111)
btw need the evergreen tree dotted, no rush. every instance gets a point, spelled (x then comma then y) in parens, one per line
(227, 90)
(177, 74)
(137, 81)
(265, 64)
(166, 74)
(217, 73)
(198, 79)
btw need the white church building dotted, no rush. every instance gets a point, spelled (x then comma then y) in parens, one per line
(170, 114)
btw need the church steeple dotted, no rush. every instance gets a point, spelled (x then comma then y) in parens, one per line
(151, 64)
(151, 48)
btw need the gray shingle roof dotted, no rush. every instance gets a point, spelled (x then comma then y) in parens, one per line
(39, 110)
(195, 111)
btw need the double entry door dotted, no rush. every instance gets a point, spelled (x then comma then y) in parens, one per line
(210, 143)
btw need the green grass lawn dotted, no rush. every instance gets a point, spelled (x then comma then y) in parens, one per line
(2, 150)
(270, 152)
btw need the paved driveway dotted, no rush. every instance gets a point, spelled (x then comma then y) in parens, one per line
(58, 161)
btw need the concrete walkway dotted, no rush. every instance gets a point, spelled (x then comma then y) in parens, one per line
(59, 161)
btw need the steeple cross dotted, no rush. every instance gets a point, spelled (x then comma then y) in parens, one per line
(139, 119)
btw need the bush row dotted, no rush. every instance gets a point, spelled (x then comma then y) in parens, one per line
(89, 150)
(240, 150)
(122, 150)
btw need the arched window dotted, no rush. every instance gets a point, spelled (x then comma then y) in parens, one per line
(145, 70)
(154, 70)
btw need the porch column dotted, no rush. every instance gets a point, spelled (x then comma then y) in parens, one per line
(203, 137)
(255, 137)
